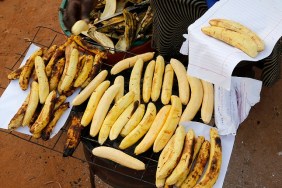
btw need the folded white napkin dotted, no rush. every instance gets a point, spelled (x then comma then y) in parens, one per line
(213, 60)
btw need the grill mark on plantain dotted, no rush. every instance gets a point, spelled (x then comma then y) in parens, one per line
(217, 142)
(136, 104)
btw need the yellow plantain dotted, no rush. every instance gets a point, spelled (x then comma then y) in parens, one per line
(147, 81)
(169, 125)
(102, 109)
(164, 156)
(155, 128)
(208, 102)
(167, 84)
(183, 84)
(87, 91)
(235, 39)
(119, 80)
(168, 165)
(199, 166)
(93, 102)
(185, 160)
(130, 62)
(113, 114)
(118, 157)
(235, 26)
(214, 164)
(195, 100)
(42, 79)
(122, 120)
(134, 120)
(135, 79)
(141, 128)
(158, 78)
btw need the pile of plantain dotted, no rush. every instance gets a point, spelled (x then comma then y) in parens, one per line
(53, 74)
(117, 24)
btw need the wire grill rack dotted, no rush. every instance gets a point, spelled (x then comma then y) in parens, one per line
(46, 37)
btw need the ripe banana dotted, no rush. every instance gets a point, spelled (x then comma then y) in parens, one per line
(199, 166)
(102, 109)
(118, 157)
(235, 26)
(208, 101)
(212, 172)
(185, 160)
(183, 84)
(155, 128)
(134, 120)
(169, 125)
(167, 84)
(158, 78)
(113, 114)
(122, 120)
(141, 128)
(233, 38)
(166, 167)
(130, 62)
(195, 100)
(147, 81)
(93, 103)
(135, 79)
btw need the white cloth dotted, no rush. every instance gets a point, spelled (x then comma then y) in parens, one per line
(232, 107)
(213, 60)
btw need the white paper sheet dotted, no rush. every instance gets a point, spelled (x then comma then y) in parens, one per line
(13, 97)
(232, 107)
(213, 60)
(227, 142)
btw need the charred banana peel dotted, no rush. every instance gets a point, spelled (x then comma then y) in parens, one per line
(130, 28)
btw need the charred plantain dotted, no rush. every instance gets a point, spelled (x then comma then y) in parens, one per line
(73, 135)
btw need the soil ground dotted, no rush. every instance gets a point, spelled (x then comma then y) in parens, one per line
(256, 157)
